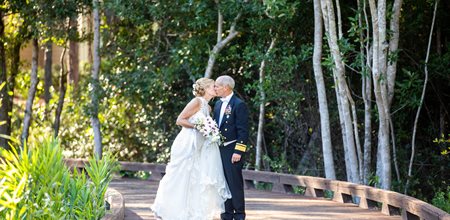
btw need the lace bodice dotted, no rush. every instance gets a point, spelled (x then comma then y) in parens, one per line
(204, 109)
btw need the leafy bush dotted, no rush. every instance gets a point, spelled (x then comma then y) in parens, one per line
(36, 184)
(442, 200)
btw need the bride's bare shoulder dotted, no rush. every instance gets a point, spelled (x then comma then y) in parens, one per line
(195, 103)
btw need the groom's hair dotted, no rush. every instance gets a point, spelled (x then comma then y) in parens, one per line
(226, 80)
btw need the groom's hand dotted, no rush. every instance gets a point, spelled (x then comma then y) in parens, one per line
(235, 158)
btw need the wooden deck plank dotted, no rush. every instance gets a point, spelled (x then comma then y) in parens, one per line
(139, 195)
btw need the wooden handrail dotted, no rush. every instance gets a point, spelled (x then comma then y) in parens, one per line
(391, 203)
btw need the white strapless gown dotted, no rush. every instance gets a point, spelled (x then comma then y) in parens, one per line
(194, 186)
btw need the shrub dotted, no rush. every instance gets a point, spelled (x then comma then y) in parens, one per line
(36, 184)
(442, 200)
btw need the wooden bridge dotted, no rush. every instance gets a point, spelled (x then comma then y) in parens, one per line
(284, 197)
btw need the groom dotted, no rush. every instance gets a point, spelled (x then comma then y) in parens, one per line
(231, 114)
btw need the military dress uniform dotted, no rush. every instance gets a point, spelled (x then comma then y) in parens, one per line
(234, 129)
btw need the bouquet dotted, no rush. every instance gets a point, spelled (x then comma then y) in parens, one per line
(208, 128)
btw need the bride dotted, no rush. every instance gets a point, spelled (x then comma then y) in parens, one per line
(194, 186)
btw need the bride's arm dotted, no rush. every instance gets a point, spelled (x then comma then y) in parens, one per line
(191, 108)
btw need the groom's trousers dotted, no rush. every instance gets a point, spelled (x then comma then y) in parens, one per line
(234, 207)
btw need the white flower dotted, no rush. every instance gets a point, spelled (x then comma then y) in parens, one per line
(208, 128)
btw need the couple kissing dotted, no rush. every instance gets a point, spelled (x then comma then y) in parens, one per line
(203, 178)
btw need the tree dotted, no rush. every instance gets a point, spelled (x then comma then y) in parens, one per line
(384, 73)
(260, 135)
(62, 93)
(221, 43)
(95, 84)
(31, 10)
(343, 95)
(4, 126)
(15, 32)
(321, 93)
(31, 93)
(413, 144)
(48, 60)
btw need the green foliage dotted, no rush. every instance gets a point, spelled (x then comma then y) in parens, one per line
(409, 89)
(278, 165)
(299, 190)
(36, 184)
(144, 175)
(374, 180)
(328, 194)
(444, 144)
(264, 186)
(442, 199)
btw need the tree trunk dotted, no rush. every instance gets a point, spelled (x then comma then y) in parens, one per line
(221, 43)
(367, 97)
(393, 49)
(95, 83)
(366, 91)
(425, 81)
(383, 155)
(392, 72)
(260, 136)
(62, 93)
(48, 74)
(338, 10)
(8, 102)
(327, 148)
(384, 73)
(74, 62)
(4, 126)
(350, 100)
(31, 93)
(394, 151)
(342, 96)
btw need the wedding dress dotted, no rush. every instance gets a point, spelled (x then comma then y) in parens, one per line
(194, 186)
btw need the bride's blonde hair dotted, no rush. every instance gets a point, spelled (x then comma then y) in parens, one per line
(200, 85)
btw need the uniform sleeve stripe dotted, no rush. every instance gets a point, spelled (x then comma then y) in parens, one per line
(240, 147)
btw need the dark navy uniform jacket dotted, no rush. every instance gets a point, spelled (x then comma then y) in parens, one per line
(234, 125)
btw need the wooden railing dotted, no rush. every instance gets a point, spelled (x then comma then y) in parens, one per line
(388, 202)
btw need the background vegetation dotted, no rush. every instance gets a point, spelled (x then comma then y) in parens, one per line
(152, 52)
(31, 189)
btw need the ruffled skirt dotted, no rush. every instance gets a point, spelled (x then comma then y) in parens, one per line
(194, 186)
